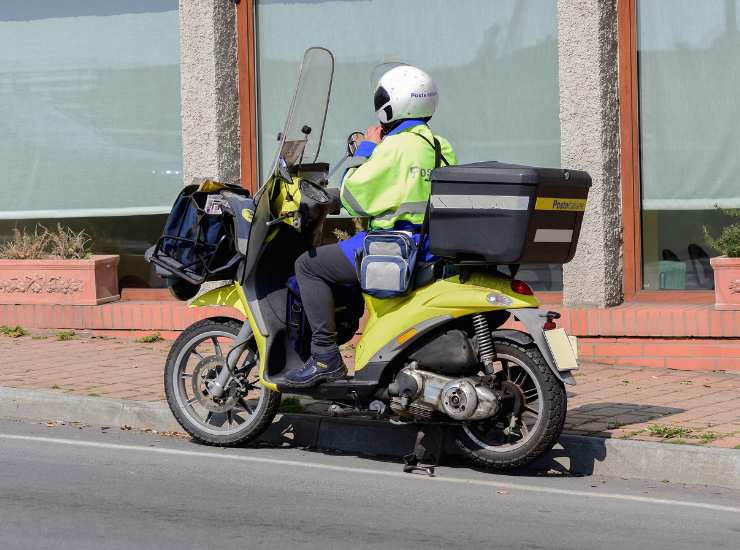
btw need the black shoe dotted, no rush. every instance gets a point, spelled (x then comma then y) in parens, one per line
(319, 368)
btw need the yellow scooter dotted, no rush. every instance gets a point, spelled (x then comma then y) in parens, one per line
(437, 353)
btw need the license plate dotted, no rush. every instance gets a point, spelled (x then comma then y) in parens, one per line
(563, 348)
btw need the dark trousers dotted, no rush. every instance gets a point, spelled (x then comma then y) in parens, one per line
(317, 271)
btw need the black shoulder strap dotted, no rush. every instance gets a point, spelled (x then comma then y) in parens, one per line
(437, 146)
(438, 159)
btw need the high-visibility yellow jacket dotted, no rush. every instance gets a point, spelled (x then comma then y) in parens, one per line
(393, 183)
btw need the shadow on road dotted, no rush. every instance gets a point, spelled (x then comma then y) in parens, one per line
(380, 440)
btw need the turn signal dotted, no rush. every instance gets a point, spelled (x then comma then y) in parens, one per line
(520, 287)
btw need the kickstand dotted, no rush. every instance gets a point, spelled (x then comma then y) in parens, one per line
(411, 462)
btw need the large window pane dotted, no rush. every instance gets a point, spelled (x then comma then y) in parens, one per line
(90, 114)
(495, 64)
(689, 76)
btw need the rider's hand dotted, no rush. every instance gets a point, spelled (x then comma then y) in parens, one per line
(358, 138)
(374, 134)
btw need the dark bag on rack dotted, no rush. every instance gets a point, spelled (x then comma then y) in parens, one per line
(198, 241)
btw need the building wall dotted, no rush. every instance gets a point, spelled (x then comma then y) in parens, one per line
(210, 96)
(589, 136)
(589, 123)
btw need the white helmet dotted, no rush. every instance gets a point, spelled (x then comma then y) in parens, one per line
(404, 92)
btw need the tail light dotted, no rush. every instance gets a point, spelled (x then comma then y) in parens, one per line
(520, 287)
(549, 325)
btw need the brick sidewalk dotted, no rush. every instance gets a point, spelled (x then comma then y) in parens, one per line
(700, 408)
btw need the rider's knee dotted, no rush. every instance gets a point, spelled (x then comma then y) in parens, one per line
(303, 264)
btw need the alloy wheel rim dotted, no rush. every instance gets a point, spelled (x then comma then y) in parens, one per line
(235, 417)
(521, 375)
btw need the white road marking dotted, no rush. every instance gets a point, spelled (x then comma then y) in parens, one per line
(369, 471)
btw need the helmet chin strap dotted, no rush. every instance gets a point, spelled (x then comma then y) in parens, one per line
(390, 126)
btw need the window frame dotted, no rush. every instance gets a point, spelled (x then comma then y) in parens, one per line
(247, 82)
(629, 133)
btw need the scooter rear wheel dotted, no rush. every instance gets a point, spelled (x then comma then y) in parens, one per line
(246, 408)
(533, 415)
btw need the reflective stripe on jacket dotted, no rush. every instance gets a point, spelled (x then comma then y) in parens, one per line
(394, 183)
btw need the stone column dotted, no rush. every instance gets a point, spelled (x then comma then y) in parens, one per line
(589, 136)
(209, 90)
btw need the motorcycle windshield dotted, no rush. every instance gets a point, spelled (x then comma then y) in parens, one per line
(300, 140)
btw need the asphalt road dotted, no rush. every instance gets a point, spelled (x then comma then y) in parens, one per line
(64, 487)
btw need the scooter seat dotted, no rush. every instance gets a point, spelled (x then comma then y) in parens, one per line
(425, 273)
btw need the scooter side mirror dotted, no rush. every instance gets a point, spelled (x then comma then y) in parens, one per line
(353, 141)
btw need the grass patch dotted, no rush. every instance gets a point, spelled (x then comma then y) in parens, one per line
(668, 432)
(93, 395)
(13, 332)
(55, 387)
(39, 337)
(708, 437)
(677, 442)
(65, 335)
(150, 339)
(291, 405)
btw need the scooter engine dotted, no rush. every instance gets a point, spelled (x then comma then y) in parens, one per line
(418, 393)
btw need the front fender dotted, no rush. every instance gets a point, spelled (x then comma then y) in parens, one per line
(233, 296)
(534, 321)
(230, 296)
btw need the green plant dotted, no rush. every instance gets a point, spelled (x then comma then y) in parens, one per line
(69, 244)
(342, 235)
(64, 242)
(13, 332)
(65, 335)
(291, 405)
(26, 245)
(708, 437)
(668, 431)
(150, 339)
(728, 242)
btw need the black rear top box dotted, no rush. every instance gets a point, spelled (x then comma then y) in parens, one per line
(495, 213)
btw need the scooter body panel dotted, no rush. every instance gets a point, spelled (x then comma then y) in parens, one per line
(233, 296)
(395, 323)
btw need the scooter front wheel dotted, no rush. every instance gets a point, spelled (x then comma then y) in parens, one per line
(533, 413)
(242, 412)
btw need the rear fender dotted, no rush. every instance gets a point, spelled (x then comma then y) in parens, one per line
(534, 321)
(514, 336)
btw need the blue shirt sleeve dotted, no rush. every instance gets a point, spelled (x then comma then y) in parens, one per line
(365, 149)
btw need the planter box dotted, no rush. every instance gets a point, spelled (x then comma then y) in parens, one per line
(726, 282)
(70, 282)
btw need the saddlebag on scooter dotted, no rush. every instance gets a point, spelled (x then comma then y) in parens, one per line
(495, 213)
(386, 263)
(205, 234)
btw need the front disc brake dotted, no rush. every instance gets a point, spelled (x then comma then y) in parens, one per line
(205, 372)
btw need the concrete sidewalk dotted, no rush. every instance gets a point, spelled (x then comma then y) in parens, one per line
(697, 408)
